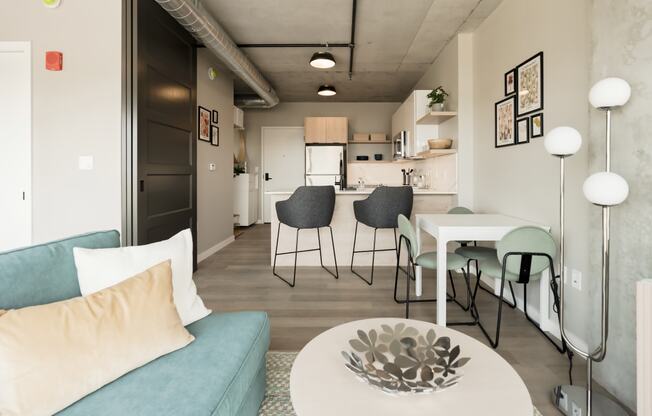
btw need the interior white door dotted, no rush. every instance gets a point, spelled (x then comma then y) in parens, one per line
(283, 162)
(15, 145)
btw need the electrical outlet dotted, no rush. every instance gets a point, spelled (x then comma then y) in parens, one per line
(576, 279)
(85, 162)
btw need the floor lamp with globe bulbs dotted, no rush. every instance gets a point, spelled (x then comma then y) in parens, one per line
(604, 189)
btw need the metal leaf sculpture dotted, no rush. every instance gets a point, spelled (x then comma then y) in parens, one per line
(401, 360)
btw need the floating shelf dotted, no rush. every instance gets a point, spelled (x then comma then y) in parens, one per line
(370, 142)
(436, 117)
(436, 153)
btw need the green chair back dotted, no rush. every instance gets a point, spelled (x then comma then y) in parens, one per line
(406, 229)
(529, 240)
(460, 210)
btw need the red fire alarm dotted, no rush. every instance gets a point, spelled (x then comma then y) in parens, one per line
(53, 61)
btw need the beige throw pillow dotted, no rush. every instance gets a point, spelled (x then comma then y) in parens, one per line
(53, 355)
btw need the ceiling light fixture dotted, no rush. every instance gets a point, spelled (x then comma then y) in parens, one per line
(322, 60)
(326, 90)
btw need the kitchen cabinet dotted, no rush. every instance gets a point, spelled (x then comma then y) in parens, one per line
(411, 116)
(326, 129)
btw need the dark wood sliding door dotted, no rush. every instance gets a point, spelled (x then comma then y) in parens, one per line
(166, 106)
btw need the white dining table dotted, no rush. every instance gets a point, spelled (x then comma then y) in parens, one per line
(469, 227)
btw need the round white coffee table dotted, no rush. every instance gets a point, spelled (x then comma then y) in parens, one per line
(321, 385)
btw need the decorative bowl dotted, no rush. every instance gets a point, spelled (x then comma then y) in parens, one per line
(440, 143)
(400, 360)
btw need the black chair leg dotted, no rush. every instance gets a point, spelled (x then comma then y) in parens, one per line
(337, 273)
(470, 303)
(563, 348)
(276, 253)
(494, 342)
(511, 304)
(373, 256)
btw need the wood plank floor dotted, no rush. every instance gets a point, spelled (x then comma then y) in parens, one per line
(239, 278)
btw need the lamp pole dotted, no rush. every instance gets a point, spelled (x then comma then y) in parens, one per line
(603, 189)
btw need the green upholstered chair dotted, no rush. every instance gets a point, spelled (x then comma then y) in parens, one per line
(427, 260)
(472, 252)
(522, 254)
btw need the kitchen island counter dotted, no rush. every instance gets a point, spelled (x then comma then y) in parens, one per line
(425, 202)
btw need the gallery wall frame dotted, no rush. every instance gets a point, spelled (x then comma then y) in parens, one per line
(529, 85)
(505, 122)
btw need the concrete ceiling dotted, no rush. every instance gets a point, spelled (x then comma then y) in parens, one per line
(396, 41)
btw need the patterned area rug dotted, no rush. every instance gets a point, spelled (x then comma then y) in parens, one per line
(277, 398)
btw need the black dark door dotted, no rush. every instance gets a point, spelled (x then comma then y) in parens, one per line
(167, 154)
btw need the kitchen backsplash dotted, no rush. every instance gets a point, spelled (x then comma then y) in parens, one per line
(440, 173)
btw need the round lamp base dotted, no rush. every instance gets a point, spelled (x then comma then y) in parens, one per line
(571, 401)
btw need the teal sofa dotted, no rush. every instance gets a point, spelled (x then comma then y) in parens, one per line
(222, 373)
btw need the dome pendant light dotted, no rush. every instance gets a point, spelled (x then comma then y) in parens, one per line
(322, 60)
(326, 90)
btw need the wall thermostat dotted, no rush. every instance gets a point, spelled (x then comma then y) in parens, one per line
(51, 3)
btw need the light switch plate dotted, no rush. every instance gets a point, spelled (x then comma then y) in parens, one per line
(85, 162)
(211, 166)
(576, 279)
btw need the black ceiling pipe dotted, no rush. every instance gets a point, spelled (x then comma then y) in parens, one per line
(350, 45)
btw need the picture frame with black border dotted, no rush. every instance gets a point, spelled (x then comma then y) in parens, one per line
(536, 129)
(203, 124)
(510, 82)
(215, 135)
(215, 117)
(523, 130)
(529, 73)
(505, 122)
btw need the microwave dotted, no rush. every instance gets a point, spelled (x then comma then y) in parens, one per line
(402, 146)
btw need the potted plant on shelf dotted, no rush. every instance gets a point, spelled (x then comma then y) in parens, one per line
(437, 99)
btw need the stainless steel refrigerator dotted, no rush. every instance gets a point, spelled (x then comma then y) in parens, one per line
(325, 165)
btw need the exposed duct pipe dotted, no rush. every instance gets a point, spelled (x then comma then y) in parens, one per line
(196, 20)
(249, 101)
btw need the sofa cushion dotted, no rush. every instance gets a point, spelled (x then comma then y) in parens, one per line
(52, 355)
(46, 273)
(211, 376)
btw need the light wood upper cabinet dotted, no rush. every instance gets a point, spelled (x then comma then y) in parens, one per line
(326, 129)
(337, 130)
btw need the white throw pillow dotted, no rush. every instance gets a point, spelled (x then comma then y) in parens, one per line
(98, 269)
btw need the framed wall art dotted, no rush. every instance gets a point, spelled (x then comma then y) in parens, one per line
(510, 82)
(203, 124)
(215, 117)
(529, 83)
(505, 113)
(523, 130)
(215, 135)
(536, 125)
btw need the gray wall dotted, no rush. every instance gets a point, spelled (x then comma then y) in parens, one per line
(621, 47)
(523, 180)
(74, 112)
(215, 188)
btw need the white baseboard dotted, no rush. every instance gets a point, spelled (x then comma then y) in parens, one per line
(217, 247)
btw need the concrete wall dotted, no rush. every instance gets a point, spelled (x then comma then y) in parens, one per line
(215, 188)
(622, 42)
(523, 180)
(74, 112)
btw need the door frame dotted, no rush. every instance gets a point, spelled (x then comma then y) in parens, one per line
(26, 48)
(261, 196)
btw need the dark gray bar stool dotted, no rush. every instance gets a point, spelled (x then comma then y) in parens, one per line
(380, 211)
(309, 207)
